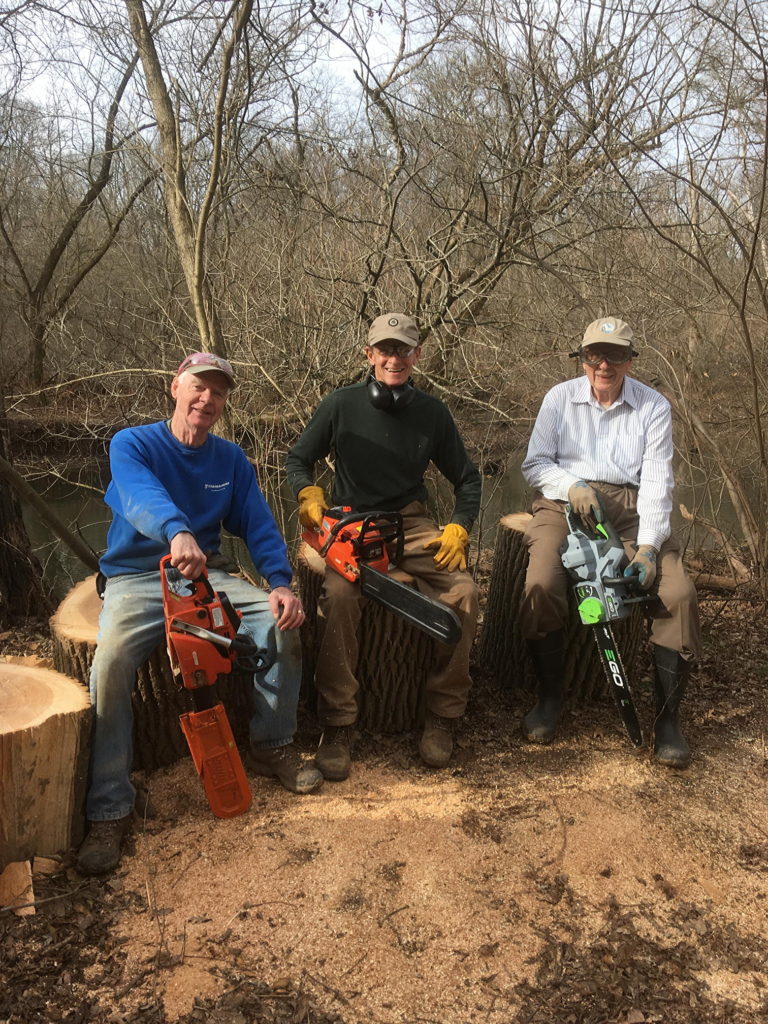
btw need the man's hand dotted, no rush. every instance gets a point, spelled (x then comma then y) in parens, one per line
(643, 565)
(312, 504)
(586, 503)
(451, 548)
(186, 556)
(286, 608)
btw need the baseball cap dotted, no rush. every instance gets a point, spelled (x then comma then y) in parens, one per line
(204, 362)
(394, 327)
(609, 330)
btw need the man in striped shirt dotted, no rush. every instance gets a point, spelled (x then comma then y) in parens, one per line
(603, 442)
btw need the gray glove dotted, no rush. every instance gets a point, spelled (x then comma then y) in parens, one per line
(586, 503)
(643, 566)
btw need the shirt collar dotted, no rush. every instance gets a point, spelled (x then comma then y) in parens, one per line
(582, 394)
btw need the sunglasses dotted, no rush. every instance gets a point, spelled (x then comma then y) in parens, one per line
(612, 358)
(391, 349)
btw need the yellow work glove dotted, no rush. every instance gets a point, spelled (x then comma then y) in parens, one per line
(451, 547)
(312, 504)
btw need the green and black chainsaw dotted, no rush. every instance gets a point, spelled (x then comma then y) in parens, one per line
(595, 562)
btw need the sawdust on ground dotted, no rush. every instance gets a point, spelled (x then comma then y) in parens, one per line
(517, 885)
(574, 884)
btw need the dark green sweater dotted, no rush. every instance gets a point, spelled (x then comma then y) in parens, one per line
(381, 456)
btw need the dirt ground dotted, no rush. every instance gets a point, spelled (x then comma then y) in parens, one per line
(574, 884)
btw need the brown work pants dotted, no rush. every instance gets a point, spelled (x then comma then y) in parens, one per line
(341, 604)
(674, 614)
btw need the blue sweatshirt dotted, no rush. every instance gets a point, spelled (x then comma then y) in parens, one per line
(161, 487)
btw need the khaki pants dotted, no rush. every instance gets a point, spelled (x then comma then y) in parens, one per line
(674, 615)
(341, 604)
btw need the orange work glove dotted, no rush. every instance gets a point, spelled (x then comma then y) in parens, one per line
(312, 504)
(451, 547)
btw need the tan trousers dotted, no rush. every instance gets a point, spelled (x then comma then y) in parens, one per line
(341, 604)
(674, 615)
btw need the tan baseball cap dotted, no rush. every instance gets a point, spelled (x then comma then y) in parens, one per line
(394, 327)
(609, 330)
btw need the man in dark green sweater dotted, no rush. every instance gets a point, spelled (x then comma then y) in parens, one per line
(383, 433)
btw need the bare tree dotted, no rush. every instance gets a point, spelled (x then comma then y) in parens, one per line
(40, 167)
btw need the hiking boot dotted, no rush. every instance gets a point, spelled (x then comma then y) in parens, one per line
(285, 763)
(334, 757)
(100, 850)
(436, 745)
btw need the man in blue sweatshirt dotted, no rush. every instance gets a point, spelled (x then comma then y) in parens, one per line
(174, 485)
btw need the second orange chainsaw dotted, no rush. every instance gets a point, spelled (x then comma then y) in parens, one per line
(203, 638)
(360, 546)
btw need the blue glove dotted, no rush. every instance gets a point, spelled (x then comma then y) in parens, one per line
(643, 566)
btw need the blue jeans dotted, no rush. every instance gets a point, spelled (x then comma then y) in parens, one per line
(131, 625)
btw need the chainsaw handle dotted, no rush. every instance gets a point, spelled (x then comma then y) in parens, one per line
(165, 566)
(366, 520)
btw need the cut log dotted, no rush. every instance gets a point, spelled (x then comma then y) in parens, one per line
(157, 699)
(16, 889)
(394, 657)
(502, 650)
(45, 722)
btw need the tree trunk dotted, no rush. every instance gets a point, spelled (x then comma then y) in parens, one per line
(393, 662)
(44, 745)
(502, 649)
(157, 699)
(22, 591)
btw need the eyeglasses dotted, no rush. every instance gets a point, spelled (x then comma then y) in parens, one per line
(389, 348)
(612, 358)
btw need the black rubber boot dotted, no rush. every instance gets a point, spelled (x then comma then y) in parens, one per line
(548, 657)
(671, 671)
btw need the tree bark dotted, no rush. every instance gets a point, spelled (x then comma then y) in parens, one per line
(502, 650)
(393, 662)
(22, 591)
(157, 699)
(44, 744)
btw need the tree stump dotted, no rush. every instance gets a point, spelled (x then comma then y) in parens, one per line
(45, 721)
(157, 699)
(502, 650)
(394, 657)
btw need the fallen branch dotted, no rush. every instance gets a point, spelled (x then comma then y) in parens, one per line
(741, 573)
(27, 493)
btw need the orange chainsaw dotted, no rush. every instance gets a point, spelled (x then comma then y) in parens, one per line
(201, 631)
(361, 546)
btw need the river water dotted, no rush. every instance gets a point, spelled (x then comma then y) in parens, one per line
(83, 509)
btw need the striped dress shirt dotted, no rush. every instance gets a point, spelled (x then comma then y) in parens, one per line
(575, 438)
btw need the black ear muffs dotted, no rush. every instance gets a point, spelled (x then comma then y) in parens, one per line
(382, 396)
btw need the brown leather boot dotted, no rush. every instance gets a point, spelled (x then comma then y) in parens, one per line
(436, 744)
(334, 755)
(100, 850)
(285, 763)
